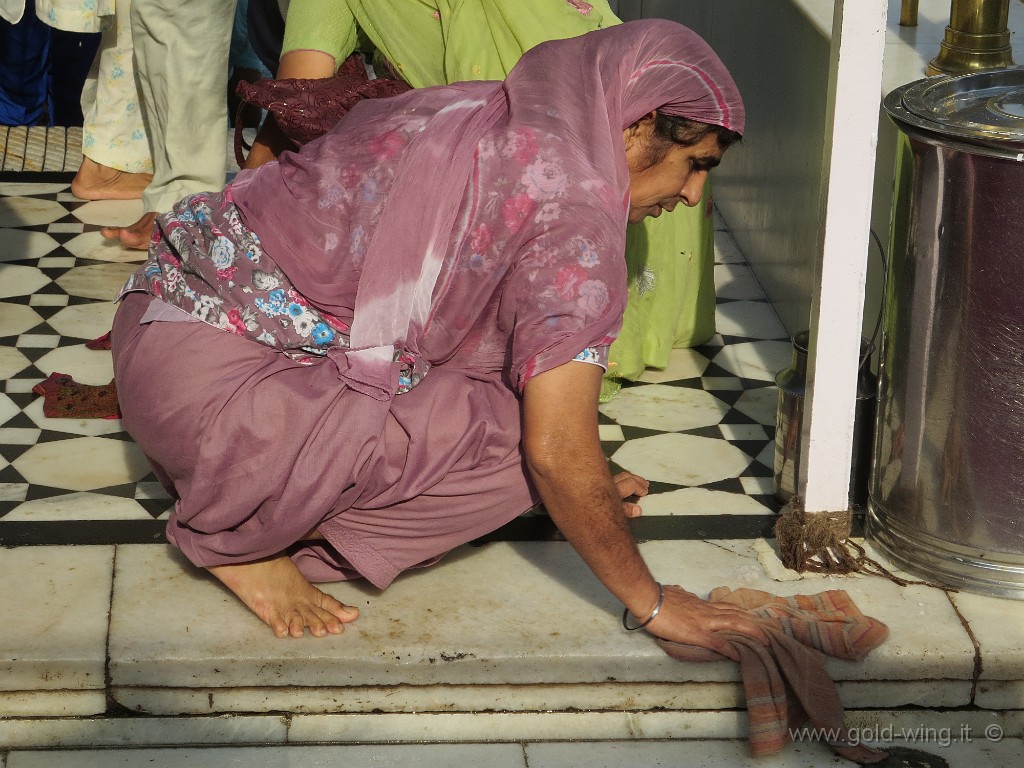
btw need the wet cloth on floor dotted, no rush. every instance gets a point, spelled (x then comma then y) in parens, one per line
(785, 682)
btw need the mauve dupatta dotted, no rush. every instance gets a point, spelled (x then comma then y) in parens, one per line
(586, 89)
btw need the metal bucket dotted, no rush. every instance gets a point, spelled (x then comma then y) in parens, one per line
(946, 497)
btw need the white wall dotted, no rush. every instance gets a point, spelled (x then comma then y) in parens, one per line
(769, 187)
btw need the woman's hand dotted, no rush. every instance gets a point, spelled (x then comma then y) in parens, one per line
(685, 618)
(628, 485)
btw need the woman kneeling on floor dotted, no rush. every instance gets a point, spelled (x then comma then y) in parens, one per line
(391, 342)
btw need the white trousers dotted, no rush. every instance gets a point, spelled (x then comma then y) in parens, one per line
(181, 58)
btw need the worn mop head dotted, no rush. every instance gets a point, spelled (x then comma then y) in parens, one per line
(816, 541)
(820, 542)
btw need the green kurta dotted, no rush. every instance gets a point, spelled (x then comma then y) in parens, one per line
(434, 42)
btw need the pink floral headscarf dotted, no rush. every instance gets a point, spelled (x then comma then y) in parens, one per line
(586, 89)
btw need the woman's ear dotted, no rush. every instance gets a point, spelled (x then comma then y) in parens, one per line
(640, 131)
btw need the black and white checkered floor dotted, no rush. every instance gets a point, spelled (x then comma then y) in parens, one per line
(701, 430)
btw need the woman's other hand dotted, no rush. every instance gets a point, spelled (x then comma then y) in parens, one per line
(686, 618)
(629, 485)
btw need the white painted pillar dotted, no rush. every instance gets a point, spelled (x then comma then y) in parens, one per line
(851, 135)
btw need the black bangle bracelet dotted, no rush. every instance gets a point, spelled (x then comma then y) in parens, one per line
(649, 619)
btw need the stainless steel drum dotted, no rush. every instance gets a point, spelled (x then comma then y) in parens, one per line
(947, 482)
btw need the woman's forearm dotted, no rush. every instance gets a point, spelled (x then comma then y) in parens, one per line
(563, 452)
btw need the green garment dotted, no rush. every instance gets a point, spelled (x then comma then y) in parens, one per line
(434, 42)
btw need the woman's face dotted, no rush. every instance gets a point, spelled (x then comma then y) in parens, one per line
(679, 177)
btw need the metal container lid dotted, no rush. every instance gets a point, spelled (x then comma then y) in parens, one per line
(984, 108)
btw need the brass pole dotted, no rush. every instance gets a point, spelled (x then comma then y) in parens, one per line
(978, 37)
(908, 13)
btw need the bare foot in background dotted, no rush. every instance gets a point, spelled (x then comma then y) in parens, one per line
(100, 182)
(135, 235)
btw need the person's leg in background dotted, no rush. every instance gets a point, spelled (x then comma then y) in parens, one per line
(181, 56)
(24, 54)
(71, 56)
(116, 163)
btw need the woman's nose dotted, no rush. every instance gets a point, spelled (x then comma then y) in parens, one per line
(693, 190)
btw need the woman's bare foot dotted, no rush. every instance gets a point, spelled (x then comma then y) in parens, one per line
(279, 594)
(101, 182)
(135, 235)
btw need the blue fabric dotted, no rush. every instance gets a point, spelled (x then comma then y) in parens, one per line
(42, 71)
(24, 71)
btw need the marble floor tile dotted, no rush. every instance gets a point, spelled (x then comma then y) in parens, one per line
(673, 754)
(760, 404)
(58, 641)
(721, 383)
(767, 455)
(66, 227)
(97, 281)
(84, 427)
(748, 319)
(29, 211)
(758, 486)
(393, 699)
(610, 433)
(22, 188)
(89, 366)
(517, 726)
(60, 703)
(7, 409)
(56, 733)
(21, 281)
(665, 408)
(682, 364)
(376, 755)
(19, 245)
(84, 321)
(1000, 694)
(737, 281)
(48, 299)
(37, 341)
(743, 432)
(681, 459)
(109, 213)
(551, 622)
(15, 319)
(726, 249)
(77, 506)
(755, 359)
(19, 386)
(92, 245)
(998, 626)
(82, 463)
(16, 436)
(11, 361)
(12, 491)
(872, 694)
(701, 501)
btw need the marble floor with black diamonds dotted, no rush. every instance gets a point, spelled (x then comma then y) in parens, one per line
(114, 651)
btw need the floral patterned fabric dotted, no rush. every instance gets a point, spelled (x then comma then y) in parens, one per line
(473, 232)
(113, 132)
